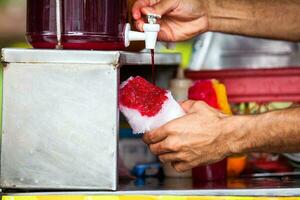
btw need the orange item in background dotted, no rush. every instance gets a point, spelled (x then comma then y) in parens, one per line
(236, 165)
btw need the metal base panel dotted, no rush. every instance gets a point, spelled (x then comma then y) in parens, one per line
(285, 186)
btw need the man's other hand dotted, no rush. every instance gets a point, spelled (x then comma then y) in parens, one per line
(202, 136)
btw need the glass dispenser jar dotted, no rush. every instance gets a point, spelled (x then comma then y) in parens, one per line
(83, 24)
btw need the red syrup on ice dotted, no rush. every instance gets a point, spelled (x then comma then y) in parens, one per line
(153, 67)
(86, 24)
(142, 96)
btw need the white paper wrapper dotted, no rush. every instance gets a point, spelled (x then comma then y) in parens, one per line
(141, 124)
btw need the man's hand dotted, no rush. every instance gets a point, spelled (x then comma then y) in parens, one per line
(205, 135)
(200, 137)
(181, 19)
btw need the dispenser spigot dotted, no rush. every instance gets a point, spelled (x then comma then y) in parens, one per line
(152, 18)
(149, 35)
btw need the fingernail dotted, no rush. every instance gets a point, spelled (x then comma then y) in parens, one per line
(161, 160)
(140, 26)
(135, 16)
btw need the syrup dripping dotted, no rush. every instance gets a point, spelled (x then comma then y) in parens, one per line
(153, 67)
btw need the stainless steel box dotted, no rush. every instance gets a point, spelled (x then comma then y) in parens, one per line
(60, 117)
(60, 120)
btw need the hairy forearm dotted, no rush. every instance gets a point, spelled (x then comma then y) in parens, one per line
(274, 132)
(277, 19)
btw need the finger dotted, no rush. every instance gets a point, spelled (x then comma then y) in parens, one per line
(171, 128)
(187, 105)
(166, 33)
(139, 24)
(181, 101)
(165, 6)
(160, 7)
(136, 9)
(160, 148)
(192, 106)
(170, 157)
(148, 10)
(155, 136)
(181, 166)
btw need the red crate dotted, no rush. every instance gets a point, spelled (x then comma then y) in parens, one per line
(256, 85)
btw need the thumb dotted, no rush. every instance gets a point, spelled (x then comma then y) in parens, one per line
(187, 105)
(191, 106)
(161, 8)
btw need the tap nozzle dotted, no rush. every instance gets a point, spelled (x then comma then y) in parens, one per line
(149, 35)
(152, 18)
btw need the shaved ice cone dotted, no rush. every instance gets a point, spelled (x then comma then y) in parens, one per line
(147, 106)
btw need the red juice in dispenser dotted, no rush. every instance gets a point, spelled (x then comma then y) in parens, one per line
(85, 24)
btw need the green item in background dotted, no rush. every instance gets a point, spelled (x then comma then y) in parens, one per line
(3, 2)
(185, 48)
(20, 45)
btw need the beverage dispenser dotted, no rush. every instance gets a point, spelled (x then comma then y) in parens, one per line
(84, 24)
(60, 99)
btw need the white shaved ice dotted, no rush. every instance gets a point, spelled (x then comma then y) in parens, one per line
(141, 124)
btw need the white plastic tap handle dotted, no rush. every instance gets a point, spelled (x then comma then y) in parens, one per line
(151, 31)
(149, 35)
(130, 35)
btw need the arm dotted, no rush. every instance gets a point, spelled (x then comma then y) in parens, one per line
(274, 132)
(205, 135)
(278, 19)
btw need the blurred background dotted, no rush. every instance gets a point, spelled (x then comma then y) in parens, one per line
(260, 75)
(12, 23)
